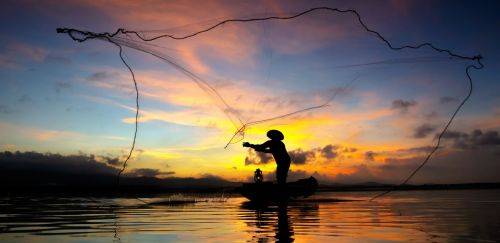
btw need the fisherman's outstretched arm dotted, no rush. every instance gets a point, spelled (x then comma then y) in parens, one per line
(259, 147)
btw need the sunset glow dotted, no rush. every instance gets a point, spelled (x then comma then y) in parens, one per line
(64, 97)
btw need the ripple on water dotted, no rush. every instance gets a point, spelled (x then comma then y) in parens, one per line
(402, 216)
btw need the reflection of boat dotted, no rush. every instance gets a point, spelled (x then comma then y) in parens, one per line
(268, 191)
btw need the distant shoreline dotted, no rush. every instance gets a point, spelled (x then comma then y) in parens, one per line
(155, 190)
(423, 187)
(39, 173)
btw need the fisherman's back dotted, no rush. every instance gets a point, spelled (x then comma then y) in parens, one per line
(279, 152)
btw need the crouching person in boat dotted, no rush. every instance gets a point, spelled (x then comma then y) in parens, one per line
(277, 148)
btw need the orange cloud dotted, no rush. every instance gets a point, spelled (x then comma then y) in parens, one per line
(51, 135)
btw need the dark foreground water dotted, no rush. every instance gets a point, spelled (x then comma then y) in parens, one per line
(418, 216)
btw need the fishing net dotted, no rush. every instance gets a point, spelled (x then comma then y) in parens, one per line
(267, 69)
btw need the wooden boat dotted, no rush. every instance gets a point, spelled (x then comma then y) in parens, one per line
(268, 191)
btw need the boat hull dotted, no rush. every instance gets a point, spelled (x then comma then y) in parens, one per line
(268, 191)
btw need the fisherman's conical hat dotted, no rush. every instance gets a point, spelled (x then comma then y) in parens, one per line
(275, 135)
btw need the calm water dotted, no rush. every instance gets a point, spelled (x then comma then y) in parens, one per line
(423, 216)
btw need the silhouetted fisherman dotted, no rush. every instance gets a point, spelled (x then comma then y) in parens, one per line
(277, 148)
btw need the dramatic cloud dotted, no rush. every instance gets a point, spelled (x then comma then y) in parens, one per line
(423, 130)
(474, 157)
(403, 105)
(349, 150)
(114, 161)
(422, 149)
(370, 155)
(264, 157)
(300, 157)
(381, 155)
(257, 158)
(460, 166)
(475, 139)
(486, 138)
(329, 151)
(453, 135)
(72, 164)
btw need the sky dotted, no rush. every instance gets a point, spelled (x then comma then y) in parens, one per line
(60, 96)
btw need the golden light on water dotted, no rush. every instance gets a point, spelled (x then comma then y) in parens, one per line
(405, 216)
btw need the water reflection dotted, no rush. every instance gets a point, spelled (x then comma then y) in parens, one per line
(116, 230)
(285, 228)
(266, 221)
(406, 216)
(53, 216)
(278, 219)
